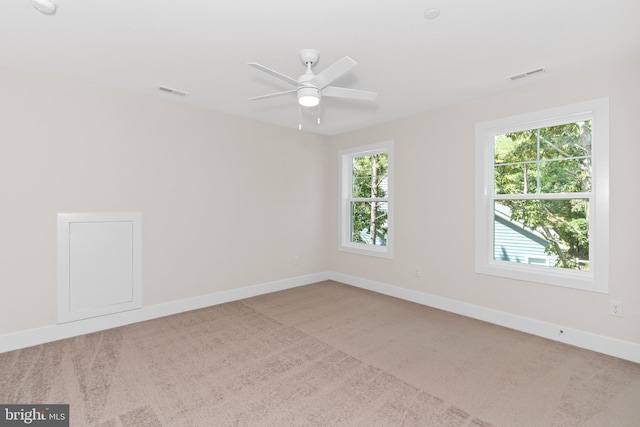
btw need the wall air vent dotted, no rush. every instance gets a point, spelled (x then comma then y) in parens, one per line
(173, 91)
(527, 74)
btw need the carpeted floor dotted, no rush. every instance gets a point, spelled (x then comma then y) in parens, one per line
(322, 355)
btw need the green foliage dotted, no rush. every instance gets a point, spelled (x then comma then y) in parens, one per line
(369, 217)
(552, 160)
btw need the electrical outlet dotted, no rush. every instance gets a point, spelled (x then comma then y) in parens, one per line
(615, 308)
(417, 272)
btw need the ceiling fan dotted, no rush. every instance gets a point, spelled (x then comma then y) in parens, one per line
(310, 87)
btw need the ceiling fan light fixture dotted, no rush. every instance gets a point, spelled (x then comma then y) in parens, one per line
(308, 96)
(48, 7)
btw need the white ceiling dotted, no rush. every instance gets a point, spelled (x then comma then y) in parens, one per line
(202, 47)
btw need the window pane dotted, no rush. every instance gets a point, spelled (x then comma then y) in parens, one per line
(515, 178)
(516, 147)
(369, 176)
(554, 159)
(565, 176)
(565, 141)
(369, 223)
(548, 232)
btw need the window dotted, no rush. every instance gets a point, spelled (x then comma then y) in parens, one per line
(542, 196)
(366, 200)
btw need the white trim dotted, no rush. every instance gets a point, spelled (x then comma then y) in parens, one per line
(18, 340)
(597, 279)
(344, 224)
(587, 340)
(598, 343)
(546, 260)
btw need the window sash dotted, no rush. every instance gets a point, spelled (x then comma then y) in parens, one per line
(368, 199)
(347, 199)
(543, 196)
(596, 279)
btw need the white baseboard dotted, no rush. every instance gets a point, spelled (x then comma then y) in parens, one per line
(598, 343)
(57, 332)
(601, 344)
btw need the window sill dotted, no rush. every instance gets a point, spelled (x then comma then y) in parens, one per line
(368, 250)
(583, 280)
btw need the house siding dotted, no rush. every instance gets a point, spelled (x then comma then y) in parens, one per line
(514, 244)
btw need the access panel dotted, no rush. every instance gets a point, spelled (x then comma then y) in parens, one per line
(99, 265)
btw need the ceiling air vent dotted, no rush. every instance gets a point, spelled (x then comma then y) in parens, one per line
(173, 91)
(527, 74)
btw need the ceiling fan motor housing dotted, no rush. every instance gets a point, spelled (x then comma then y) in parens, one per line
(308, 96)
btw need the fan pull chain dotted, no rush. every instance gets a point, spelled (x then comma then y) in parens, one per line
(318, 112)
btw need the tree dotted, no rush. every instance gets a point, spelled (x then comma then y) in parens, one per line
(368, 212)
(552, 160)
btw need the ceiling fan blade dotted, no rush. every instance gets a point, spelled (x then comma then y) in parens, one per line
(342, 92)
(323, 79)
(274, 73)
(255, 98)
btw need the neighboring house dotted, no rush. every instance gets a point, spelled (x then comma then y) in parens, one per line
(516, 244)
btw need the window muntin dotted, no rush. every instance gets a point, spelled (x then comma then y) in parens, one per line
(553, 159)
(365, 208)
(542, 196)
(369, 203)
(544, 162)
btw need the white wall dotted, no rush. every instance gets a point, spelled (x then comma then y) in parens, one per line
(226, 202)
(434, 205)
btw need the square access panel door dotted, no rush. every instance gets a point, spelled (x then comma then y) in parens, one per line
(99, 264)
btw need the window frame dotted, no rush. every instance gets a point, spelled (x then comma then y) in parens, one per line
(597, 278)
(346, 185)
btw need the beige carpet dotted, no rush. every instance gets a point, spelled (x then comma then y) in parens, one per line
(322, 355)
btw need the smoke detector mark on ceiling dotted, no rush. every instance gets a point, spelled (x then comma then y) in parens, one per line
(48, 7)
(527, 74)
(172, 91)
(432, 14)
